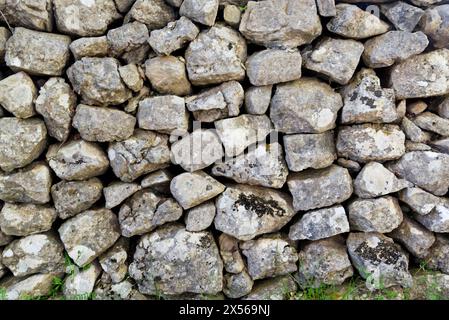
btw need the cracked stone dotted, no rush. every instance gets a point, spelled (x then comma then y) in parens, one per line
(117, 192)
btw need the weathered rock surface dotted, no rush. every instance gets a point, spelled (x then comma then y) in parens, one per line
(201, 11)
(418, 200)
(73, 197)
(245, 212)
(131, 76)
(32, 135)
(402, 15)
(77, 160)
(434, 24)
(37, 285)
(199, 218)
(117, 192)
(18, 219)
(230, 253)
(89, 47)
(172, 260)
(438, 219)
(304, 106)
(237, 285)
(89, 234)
(413, 132)
(278, 288)
(155, 13)
(114, 260)
(158, 180)
(81, 283)
(257, 99)
(35, 15)
(438, 255)
(431, 122)
(17, 95)
(313, 189)
(127, 38)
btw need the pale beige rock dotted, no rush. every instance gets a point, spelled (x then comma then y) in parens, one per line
(17, 95)
(89, 47)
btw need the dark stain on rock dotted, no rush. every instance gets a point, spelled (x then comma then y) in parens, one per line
(259, 205)
(384, 252)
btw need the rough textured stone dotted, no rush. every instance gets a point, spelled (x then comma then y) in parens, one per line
(17, 95)
(158, 180)
(142, 153)
(56, 104)
(192, 189)
(375, 180)
(114, 260)
(413, 132)
(89, 234)
(38, 253)
(144, 211)
(304, 106)
(32, 135)
(438, 219)
(98, 81)
(230, 253)
(262, 166)
(402, 15)
(73, 197)
(427, 169)
(154, 13)
(77, 160)
(393, 47)
(166, 114)
(132, 77)
(272, 66)
(379, 260)
(379, 215)
(245, 212)
(430, 286)
(431, 122)
(172, 260)
(313, 189)
(84, 18)
(237, 285)
(29, 185)
(4, 240)
(336, 59)
(281, 23)
(4, 36)
(418, 200)
(209, 59)
(417, 76)
(238, 133)
(89, 47)
(352, 22)
(278, 288)
(217, 103)
(174, 36)
(35, 15)
(435, 24)
(320, 224)
(202, 11)
(81, 283)
(168, 75)
(24, 219)
(414, 237)
(103, 124)
(257, 99)
(33, 286)
(269, 256)
(200, 217)
(127, 38)
(371, 142)
(232, 16)
(117, 192)
(37, 53)
(304, 151)
(438, 256)
(324, 262)
(125, 290)
(366, 101)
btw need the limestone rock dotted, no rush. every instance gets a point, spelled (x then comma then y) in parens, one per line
(81, 283)
(202, 11)
(281, 23)
(438, 255)
(375, 180)
(413, 132)
(174, 36)
(17, 95)
(232, 15)
(426, 169)
(200, 217)
(73, 197)
(313, 189)
(89, 47)
(84, 18)
(144, 211)
(21, 141)
(103, 124)
(114, 260)
(245, 212)
(434, 24)
(4, 240)
(77, 160)
(304, 106)
(142, 153)
(371, 142)
(402, 15)
(34, 286)
(393, 47)
(324, 262)
(158, 180)
(29, 185)
(269, 256)
(418, 200)
(237, 285)
(154, 13)
(320, 224)
(89, 234)
(18, 219)
(98, 81)
(4, 36)
(336, 59)
(273, 66)
(238, 133)
(131, 76)
(437, 220)
(304, 151)
(263, 165)
(278, 288)
(366, 101)
(127, 38)
(257, 99)
(172, 260)
(379, 260)
(352, 22)
(431, 122)
(215, 56)
(166, 114)
(192, 189)
(35, 15)
(117, 192)
(417, 77)
(230, 253)
(38, 253)
(37, 53)
(56, 104)
(414, 237)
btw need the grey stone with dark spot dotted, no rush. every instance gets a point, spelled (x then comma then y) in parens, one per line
(35, 15)
(237, 285)
(431, 122)
(114, 260)
(402, 15)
